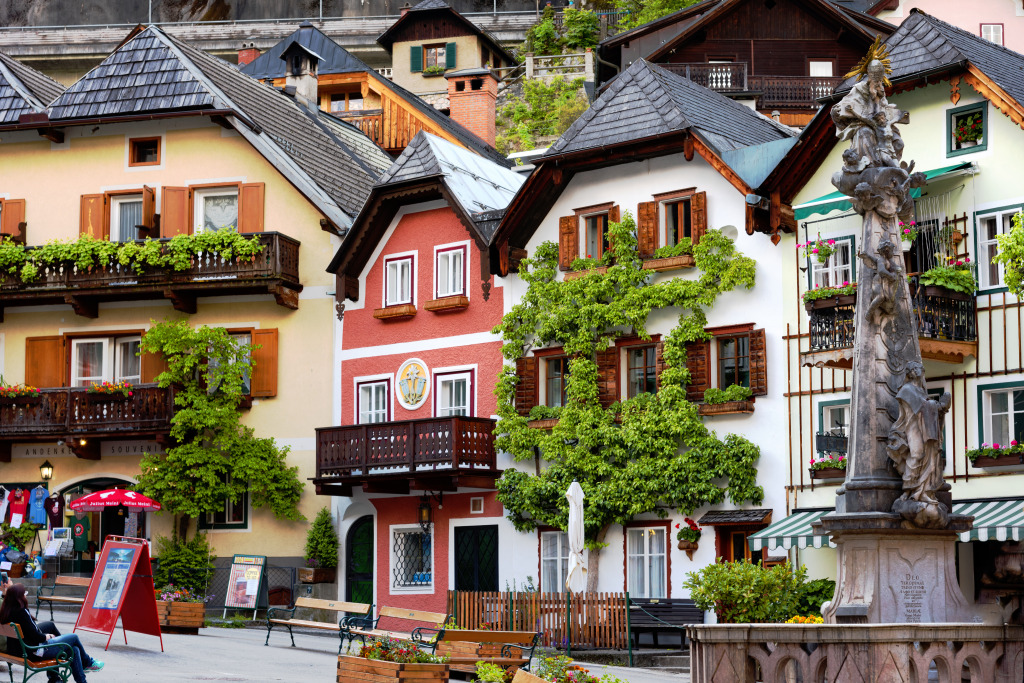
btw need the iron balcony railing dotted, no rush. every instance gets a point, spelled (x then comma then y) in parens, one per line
(74, 412)
(830, 443)
(441, 443)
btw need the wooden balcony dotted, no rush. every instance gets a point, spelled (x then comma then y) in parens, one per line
(795, 92)
(275, 270)
(433, 454)
(84, 420)
(947, 326)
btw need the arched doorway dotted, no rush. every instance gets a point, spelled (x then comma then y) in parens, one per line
(97, 525)
(359, 561)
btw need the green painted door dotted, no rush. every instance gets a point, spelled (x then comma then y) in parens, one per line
(359, 561)
(476, 558)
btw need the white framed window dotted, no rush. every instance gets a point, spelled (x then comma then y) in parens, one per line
(820, 68)
(454, 394)
(556, 381)
(1004, 416)
(412, 559)
(836, 419)
(641, 370)
(105, 359)
(676, 221)
(450, 272)
(993, 33)
(554, 561)
(233, 515)
(476, 506)
(991, 274)
(647, 561)
(595, 233)
(837, 269)
(216, 208)
(374, 403)
(398, 281)
(125, 215)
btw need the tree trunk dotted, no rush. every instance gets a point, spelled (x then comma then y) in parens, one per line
(183, 521)
(594, 562)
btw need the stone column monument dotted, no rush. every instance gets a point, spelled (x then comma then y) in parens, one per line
(893, 524)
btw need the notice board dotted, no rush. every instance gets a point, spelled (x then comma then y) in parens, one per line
(247, 582)
(121, 587)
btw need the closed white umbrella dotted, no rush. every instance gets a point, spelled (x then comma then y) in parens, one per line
(576, 581)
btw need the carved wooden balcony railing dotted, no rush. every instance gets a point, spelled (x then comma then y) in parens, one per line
(773, 91)
(429, 454)
(274, 270)
(947, 326)
(83, 419)
(730, 77)
(368, 121)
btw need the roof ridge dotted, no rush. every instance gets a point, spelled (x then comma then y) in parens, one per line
(8, 65)
(932, 19)
(193, 68)
(19, 86)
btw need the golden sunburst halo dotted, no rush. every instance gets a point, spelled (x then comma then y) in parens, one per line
(878, 51)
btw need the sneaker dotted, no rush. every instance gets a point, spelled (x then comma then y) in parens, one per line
(95, 666)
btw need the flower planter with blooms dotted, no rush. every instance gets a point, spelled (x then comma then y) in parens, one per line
(819, 293)
(123, 388)
(908, 231)
(805, 620)
(181, 607)
(828, 467)
(969, 129)
(387, 660)
(819, 249)
(688, 536)
(19, 394)
(997, 455)
(952, 273)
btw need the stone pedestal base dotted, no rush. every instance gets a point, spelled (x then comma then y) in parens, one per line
(890, 573)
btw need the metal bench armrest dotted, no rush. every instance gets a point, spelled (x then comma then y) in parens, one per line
(274, 611)
(351, 621)
(40, 589)
(425, 636)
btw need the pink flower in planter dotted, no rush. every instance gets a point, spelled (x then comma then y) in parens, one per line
(831, 243)
(1013, 443)
(814, 251)
(967, 259)
(959, 263)
(906, 231)
(995, 446)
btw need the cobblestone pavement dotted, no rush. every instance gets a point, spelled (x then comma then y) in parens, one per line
(220, 654)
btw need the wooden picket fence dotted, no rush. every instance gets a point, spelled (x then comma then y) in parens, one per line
(595, 620)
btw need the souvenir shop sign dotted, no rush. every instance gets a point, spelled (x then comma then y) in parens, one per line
(247, 582)
(121, 587)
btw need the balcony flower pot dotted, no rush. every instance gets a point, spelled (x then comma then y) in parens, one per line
(828, 473)
(91, 397)
(542, 424)
(1007, 460)
(318, 574)
(689, 546)
(943, 293)
(670, 263)
(362, 670)
(727, 408)
(831, 302)
(968, 143)
(21, 400)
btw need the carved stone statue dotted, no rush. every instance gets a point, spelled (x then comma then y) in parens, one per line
(888, 272)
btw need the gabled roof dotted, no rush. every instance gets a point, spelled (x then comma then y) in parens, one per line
(476, 189)
(647, 101)
(645, 112)
(438, 8)
(683, 18)
(338, 60)
(152, 73)
(23, 90)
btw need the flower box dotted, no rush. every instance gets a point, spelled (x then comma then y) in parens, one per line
(828, 473)
(362, 670)
(1008, 460)
(395, 312)
(542, 424)
(447, 303)
(318, 574)
(727, 408)
(527, 677)
(831, 302)
(91, 397)
(943, 293)
(21, 400)
(183, 615)
(572, 275)
(669, 263)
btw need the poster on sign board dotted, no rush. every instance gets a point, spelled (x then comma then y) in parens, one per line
(114, 578)
(246, 582)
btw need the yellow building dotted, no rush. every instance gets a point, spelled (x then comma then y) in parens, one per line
(162, 139)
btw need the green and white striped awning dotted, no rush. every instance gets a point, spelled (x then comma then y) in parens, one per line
(994, 520)
(789, 532)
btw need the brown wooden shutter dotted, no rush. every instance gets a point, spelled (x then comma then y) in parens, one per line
(614, 214)
(44, 362)
(149, 210)
(174, 214)
(608, 376)
(90, 221)
(568, 241)
(526, 389)
(152, 365)
(698, 216)
(698, 361)
(264, 360)
(11, 218)
(659, 361)
(250, 207)
(647, 228)
(758, 363)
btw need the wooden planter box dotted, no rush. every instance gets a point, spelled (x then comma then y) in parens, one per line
(828, 473)
(527, 677)
(91, 397)
(395, 312)
(20, 400)
(671, 263)
(727, 408)
(464, 649)
(1008, 460)
(943, 293)
(572, 275)
(542, 424)
(447, 303)
(831, 302)
(362, 670)
(318, 574)
(187, 616)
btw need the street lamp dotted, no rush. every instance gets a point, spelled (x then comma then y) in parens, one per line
(46, 471)
(426, 514)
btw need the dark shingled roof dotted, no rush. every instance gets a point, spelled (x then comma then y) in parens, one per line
(23, 90)
(923, 43)
(754, 516)
(646, 100)
(338, 60)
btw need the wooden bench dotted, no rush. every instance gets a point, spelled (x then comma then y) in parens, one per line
(505, 648)
(61, 664)
(367, 627)
(351, 609)
(654, 616)
(75, 581)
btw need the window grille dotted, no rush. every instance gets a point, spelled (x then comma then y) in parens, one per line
(412, 559)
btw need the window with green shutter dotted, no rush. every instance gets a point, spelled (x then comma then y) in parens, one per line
(415, 58)
(449, 56)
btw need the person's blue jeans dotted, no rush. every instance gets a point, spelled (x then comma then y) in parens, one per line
(79, 660)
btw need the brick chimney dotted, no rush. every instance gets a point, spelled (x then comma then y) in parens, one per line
(247, 53)
(300, 71)
(405, 9)
(472, 94)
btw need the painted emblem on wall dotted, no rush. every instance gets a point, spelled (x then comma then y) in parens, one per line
(413, 383)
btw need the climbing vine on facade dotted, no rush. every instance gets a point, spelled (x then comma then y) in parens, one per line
(651, 453)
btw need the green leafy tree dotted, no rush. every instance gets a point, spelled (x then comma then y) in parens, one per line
(545, 108)
(542, 38)
(643, 11)
(215, 458)
(184, 563)
(741, 592)
(581, 29)
(1011, 255)
(322, 541)
(651, 453)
